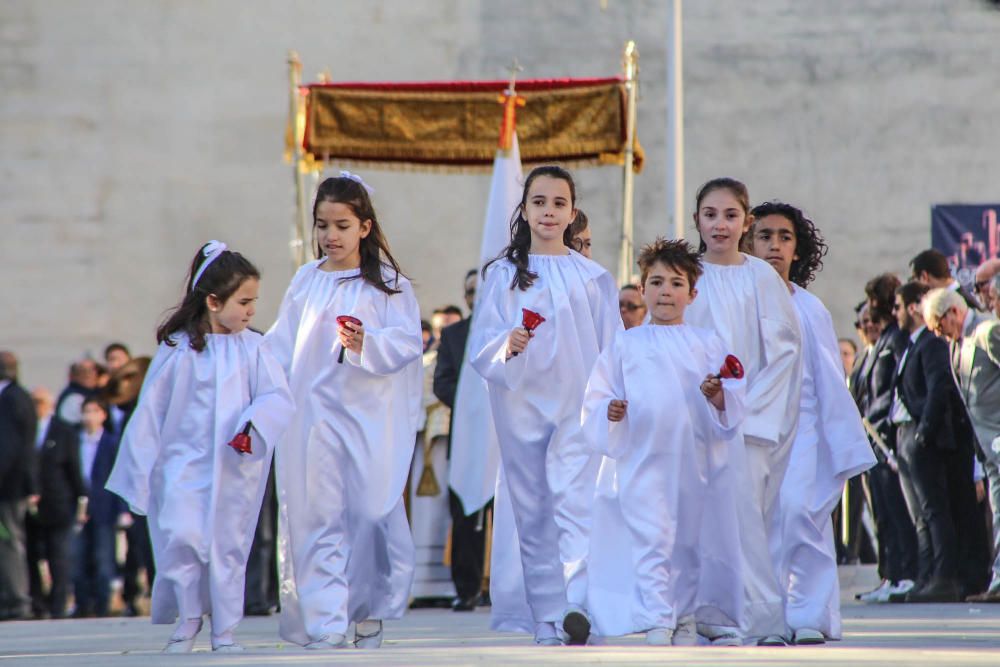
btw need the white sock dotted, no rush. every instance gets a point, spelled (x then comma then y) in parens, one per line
(187, 629)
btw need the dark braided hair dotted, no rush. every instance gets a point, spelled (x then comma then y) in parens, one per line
(809, 244)
(374, 248)
(520, 233)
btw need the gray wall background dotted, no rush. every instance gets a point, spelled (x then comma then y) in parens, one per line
(131, 132)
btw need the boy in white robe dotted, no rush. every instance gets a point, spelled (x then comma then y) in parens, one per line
(203, 497)
(830, 444)
(657, 408)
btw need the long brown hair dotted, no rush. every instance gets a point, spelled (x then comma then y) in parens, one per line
(520, 232)
(738, 190)
(221, 279)
(374, 248)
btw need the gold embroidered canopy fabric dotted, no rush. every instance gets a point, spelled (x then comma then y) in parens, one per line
(456, 124)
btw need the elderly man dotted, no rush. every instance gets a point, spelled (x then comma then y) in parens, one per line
(631, 305)
(984, 279)
(975, 363)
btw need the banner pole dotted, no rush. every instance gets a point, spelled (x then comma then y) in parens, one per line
(630, 62)
(675, 118)
(296, 124)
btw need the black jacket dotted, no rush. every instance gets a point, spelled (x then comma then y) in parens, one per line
(881, 380)
(104, 506)
(451, 353)
(927, 390)
(60, 481)
(18, 425)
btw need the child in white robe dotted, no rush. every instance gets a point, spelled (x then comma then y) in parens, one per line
(657, 408)
(346, 553)
(536, 385)
(830, 445)
(749, 306)
(210, 378)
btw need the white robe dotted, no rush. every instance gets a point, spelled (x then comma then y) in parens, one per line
(645, 556)
(751, 309)
(542, 518)
(345, 550)
(202, 497)
(830, 447)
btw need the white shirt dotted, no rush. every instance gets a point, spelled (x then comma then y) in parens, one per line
(899, 414)
(43, 428)
(88, 452)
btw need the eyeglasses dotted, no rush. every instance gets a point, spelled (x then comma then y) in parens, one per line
(630, 307)
(470, 292)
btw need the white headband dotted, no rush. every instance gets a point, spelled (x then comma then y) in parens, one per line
(357, 179)
(211, 253)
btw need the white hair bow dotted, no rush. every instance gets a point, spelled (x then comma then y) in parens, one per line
(357, 179)
(210, 252)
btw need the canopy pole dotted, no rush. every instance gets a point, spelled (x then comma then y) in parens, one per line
(295, 119)
(675, 119)
(630, 62)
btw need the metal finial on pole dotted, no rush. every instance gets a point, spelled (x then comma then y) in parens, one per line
(630, 63)
(514, 68)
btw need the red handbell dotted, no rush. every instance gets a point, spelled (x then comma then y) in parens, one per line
(344, 320)
(530, 321)
(732, 369)
(241, 442)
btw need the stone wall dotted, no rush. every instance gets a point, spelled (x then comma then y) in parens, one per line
(130, 132)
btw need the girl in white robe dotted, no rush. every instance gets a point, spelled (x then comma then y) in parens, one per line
(665, 441)
(749, 306)
(211, 376)
(345, 550)
(536, 384)
(830, 445)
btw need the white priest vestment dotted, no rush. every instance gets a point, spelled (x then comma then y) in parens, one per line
(645, 557)
(345, 553)
(174, 465)
(830, 447)
(542, 519)
(749, 306)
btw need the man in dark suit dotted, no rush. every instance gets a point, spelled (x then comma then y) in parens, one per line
(897, 542)
(930, 268)
(934, 440)
(468, 533)
(94, 553)
(50, 527)
(17, 446)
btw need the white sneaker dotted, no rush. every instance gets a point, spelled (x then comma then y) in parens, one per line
(772, 640)
(185, 634)
(546, 635)
(727, 639)
(903, 587)
(686, 633)
(875, 594)
(336, 640)
(368, 634)
(576, 624)
(808, 636)
(660, 637)
(227, 648)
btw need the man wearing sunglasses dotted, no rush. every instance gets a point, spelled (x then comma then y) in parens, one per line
(631, 305)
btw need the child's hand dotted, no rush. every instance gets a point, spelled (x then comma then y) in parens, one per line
(352, 336)
(616, 410)
(711, 387)
(517, 341)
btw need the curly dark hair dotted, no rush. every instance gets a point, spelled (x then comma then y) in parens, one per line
(809, 244)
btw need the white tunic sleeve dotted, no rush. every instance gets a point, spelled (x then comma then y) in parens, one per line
(491, 328)
(390, 348)
(607, 383)
(141, 443)
(272, 406)
(774, 394)
(603, 295)
(280, 339)
(727, 422)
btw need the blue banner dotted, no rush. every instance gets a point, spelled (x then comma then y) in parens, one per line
(968, 235)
